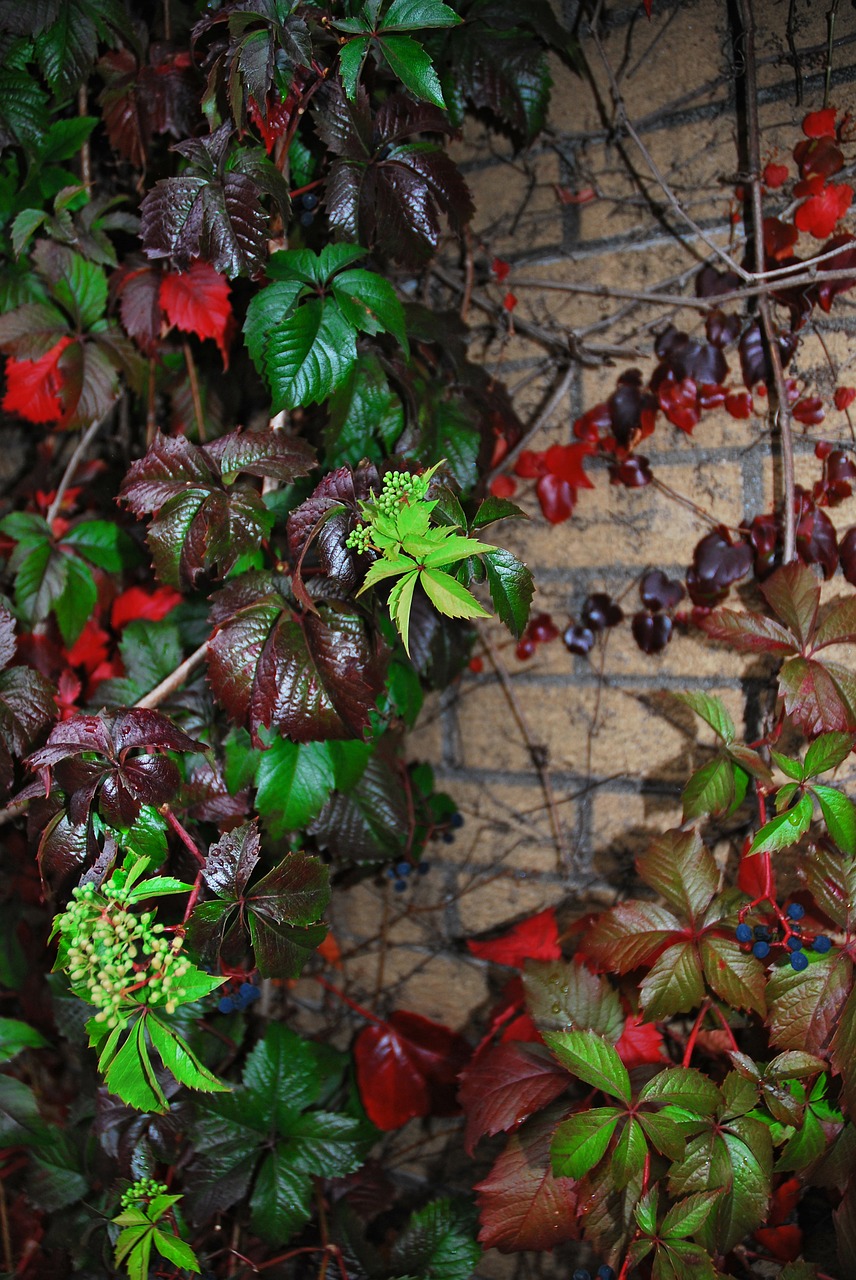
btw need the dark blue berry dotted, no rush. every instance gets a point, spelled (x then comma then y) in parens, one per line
(796, 911)
(762, 933)
(226, 1005)
(309, 200)
(822, 943)
(306, 218)
(448, 838)
(743, 933)
(799, 961)
(399, 885)
(423, 868)
(456, 820)
(581, 1274)
(605, 1273)
(249, 993)
(403, 869)
(761, 950)
(392, 873)
(795, 943)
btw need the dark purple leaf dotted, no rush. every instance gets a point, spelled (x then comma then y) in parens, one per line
(659, 592)
(626, 405)
(319, 527)
(651, 631)
(26, 703)
(721, 328)
(847, 552)
(312, 676)
(600, 611)
(717, 564)
(369, 822)
(634, 472)
(138, 291)
(816, 540)
(710, 283)
(579, 639)
(753, 355)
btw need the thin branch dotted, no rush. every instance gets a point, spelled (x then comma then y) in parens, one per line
(537, 752)
(830, 33)
(195, 394)
(782, 410)
(174, 680)
(540, 420)
(627, 124)
(68, 475)
(85, 153)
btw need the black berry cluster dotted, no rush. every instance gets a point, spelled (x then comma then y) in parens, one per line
(401, 872)
(763, 938)
(604, 1272)
(245, 995)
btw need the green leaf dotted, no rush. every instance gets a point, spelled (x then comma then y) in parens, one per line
(451, 550)
(684, 1218)
(24, 227)
(175, 1250)
(711, 789)
(413, 67)
(414, 15)
(645, 1211)
(16, 1036)
(732, 973)
(352, 55)
(682, 870)
(580, 1142)
(839, 815)
(790, 767)
(786, 829)
(366, 417)
(130, 1074)
(628, 1157)
(511, 588)
(712, 710)
(589, 1057)
(449, 596)
(150, 652)
(437, 1243)
(563, 994)
(76, 603)
(179, 1058)
(400, 603)
(682, 1087)
(664, 1133)
(674, 983)
(308, 354)
(294, 782)
(827, 752)
(369, 303)
(101, 542)
(282, 1198)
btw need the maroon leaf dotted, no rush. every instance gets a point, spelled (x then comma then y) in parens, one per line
(138, 292)
(408, 1067)
(202, 519)
(506, 1084)
(717, 564)
(319, 527)
(805, 1008)
(139, 102)
(817, 541)
(312, 676)
(819, 697)
(382, 192)
(748, 632)
(26, 703)
(522, 1205)
(121, 782)
(279, 913)
(793, 593)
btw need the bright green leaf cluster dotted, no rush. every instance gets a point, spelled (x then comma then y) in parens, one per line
(140, 1232)
(794, 808)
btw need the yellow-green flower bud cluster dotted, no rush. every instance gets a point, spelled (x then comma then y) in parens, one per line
(143, 1189)
(398, 487)
(119, 958)
(360, 539)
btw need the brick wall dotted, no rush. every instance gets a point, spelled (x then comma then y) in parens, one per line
(618, 748)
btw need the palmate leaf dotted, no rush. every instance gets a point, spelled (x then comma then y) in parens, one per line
(506, 1084)
(511, 588)
(309, 354)
(313, 676)
(437, 1243)
(26, 703)
(203, 520)
(280, 912)
(127, 1064)
(366, 821)
(592, 1059)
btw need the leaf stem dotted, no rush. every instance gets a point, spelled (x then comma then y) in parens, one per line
(71, 466)
(781, 413)
(183, 835)
(174, 680)
(352, 1004)
(195, 394)
(693, 1036)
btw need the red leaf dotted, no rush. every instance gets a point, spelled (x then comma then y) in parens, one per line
(783, 1242)
(503, 487)
(844, 397)
(557, 499)
(33, 387)
(751, 875)
(565, 196)
(819, 157)
(590, 425)
(500, 269)
(536, 938)
(647, 5)
(137, 603)
(820, 124)
(775, 175)
(739, 404)
(522, 1205)
(90, 648)
(640, 1043)
(679, 402)
(819, 214)
(509, 302)
(504, 1086)
(408, 1067)
(809, 411)
(786, 1197)
(565, 462)
(530, 465)
(779, 238)
(197, 301)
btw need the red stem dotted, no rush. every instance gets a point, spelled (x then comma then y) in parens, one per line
(352, 1004)
(693, 1036)
(725, 1025)
(179, 830)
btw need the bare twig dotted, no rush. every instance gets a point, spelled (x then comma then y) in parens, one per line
(195, 394)
(830, 33)
(627, 124)
(71, 467)
(540, 420)
(85, 153)
(782, 410)
(174, 680)
(536, 750)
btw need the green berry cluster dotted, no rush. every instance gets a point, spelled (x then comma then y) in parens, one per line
(118, 958)
(143, 1189)
(360, 539)
(398, 487)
